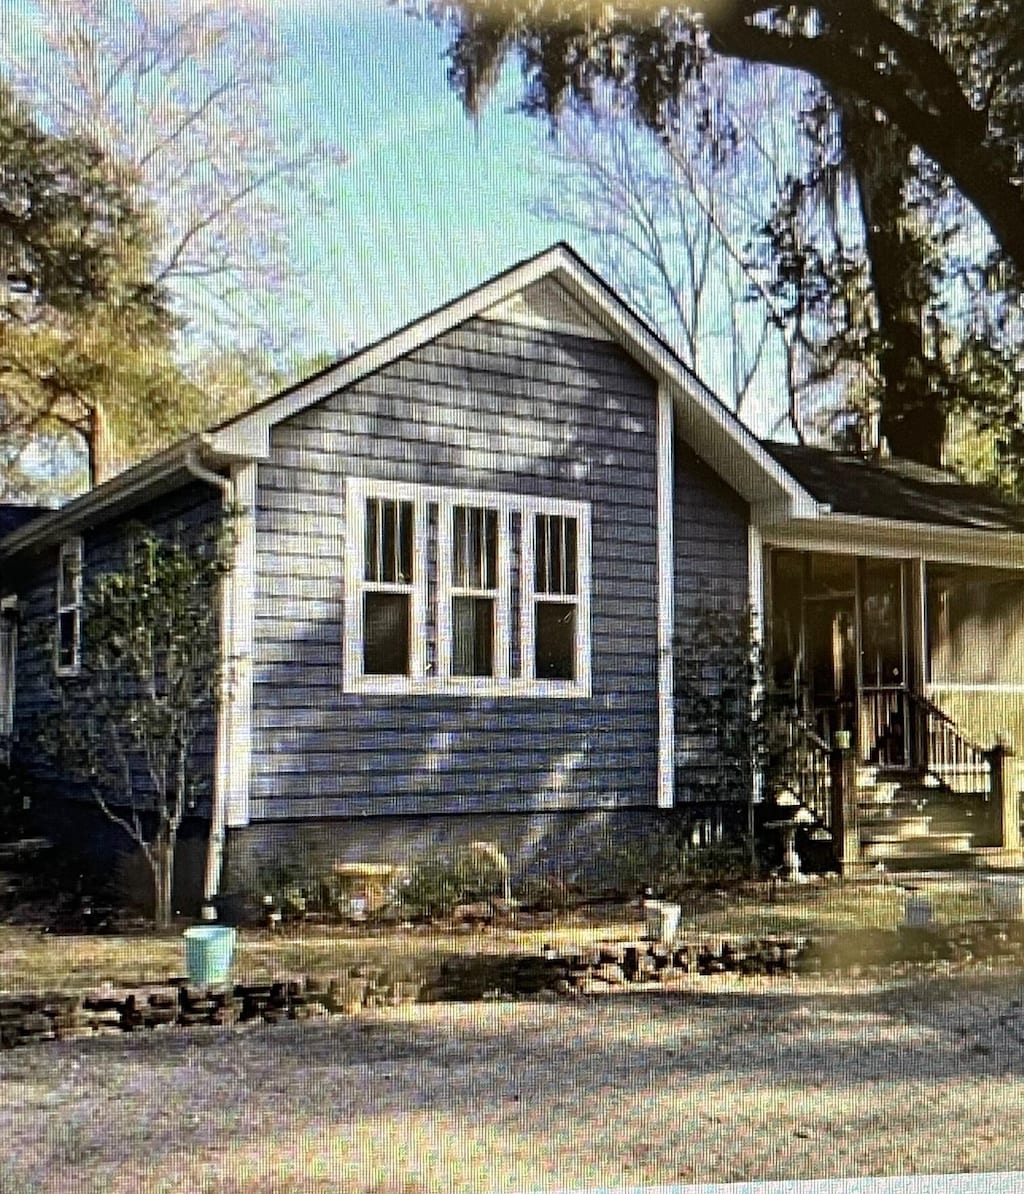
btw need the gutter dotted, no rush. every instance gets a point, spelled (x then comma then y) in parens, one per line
(222, 748)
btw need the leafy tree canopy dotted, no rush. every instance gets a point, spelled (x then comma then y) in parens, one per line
(912, 118)
(949, 75)
(85, 332)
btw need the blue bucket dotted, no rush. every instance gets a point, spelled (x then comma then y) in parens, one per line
(208, 950)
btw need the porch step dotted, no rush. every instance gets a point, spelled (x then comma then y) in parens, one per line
(897, 826)
(924, 846)
(880, 792)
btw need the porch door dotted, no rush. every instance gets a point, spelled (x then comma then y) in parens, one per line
(830, 626)
(886, 729)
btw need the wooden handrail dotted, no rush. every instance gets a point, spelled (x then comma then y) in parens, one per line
(949, 754)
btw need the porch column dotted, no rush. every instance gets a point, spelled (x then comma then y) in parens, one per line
(845, 827)
(1007, 775)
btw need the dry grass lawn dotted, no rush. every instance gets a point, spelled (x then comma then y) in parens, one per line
(32, 960)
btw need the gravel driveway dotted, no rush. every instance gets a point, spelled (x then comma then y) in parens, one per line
(722, 1080)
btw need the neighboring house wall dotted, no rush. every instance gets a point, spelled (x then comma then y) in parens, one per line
(191, 511)
(494, 407)
(711, 574)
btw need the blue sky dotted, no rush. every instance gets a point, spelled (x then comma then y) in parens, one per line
(429, 203)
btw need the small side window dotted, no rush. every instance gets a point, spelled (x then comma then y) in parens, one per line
(8, 659)
(68, 638)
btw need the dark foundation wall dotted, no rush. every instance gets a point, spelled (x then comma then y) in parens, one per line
(574, 845)
(93, 856)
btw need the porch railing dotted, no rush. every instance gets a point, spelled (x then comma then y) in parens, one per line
(948, 754)
(887, 727)
(805, 766)
(902, 728)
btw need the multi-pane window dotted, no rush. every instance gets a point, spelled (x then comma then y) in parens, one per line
(388, 589)
(464, 591)
(555, 597)
(474, 590)
(69, 607)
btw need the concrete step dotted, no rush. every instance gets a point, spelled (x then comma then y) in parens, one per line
(881, 792)
(926, 846)
(902, 826)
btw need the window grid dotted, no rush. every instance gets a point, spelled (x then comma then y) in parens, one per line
(556, 643)
(473, 634)
(470, 545)
(68, 638)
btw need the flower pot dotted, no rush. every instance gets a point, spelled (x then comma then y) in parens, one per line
(662, 920)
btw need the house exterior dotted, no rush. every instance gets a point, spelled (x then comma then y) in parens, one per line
(470, 562)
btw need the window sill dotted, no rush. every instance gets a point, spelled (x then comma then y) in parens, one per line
(469, 687)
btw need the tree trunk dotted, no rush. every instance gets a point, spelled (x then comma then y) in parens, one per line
(163, 877)
(97, 440)
(913, 413)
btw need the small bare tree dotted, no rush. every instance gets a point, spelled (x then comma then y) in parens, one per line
(146, 688)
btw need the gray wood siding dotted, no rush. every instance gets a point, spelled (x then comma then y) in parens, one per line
(191, 512)
(490, 406)
(711, 574)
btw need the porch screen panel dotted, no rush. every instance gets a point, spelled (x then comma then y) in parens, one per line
(882, 623)
(975, 625)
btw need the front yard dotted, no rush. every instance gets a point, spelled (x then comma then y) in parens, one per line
(30, 959)
(718, 1079)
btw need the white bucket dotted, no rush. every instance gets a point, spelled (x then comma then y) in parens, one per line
(917, 912)
(662, 920)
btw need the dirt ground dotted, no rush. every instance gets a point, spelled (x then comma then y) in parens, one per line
(722, 1080)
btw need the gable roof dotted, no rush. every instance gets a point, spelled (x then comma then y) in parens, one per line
(578, 301)
(895, 490)
(14, 516)
(584, 304)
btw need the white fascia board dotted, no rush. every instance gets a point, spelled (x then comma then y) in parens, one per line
(708, 426)
(854, 534)
(250, 433)
(137, 484)
(124, 488)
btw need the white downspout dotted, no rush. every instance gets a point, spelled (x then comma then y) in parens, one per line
(222, 745)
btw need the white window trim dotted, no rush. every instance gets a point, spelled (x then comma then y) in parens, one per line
(358, 491)
(70, 547)
(528, 596)
(8, 663)
(439, 681)
(501, 595)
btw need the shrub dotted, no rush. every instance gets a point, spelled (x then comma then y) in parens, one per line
(670, 862)
(435, 886)
(547, 893)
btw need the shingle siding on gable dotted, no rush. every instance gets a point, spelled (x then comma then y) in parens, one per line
(489, 406)
(711, 572)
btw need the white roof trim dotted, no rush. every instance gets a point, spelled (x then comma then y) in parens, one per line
(133, 485)
(850, 533)
(712, 431)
